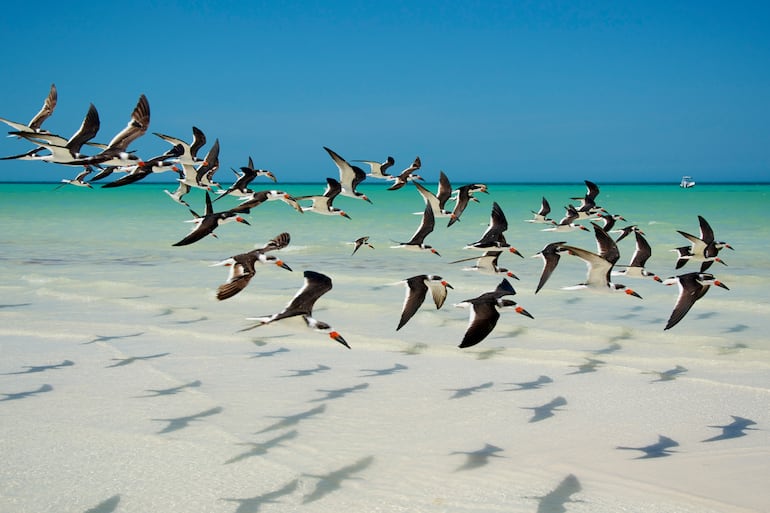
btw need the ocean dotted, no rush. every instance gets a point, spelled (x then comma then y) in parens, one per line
(284, 419)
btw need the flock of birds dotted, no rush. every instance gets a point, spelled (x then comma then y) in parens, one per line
(196, 172)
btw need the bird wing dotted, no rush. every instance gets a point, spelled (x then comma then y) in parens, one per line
(137, 126)
(416, 290)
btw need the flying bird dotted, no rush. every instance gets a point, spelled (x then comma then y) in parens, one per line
(301, 305)
(323, 204)
(704, 249)
(692, 287)
(208, 222)
(35, 124)
(541, 216)
(417, 242)
(417, 288)
(550, 255)
(361, 241)
(484, 312)
(243, 266)
(350, 176)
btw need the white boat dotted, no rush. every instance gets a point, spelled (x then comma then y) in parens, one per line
(687, 182)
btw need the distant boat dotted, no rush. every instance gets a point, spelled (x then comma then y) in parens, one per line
(687, 182)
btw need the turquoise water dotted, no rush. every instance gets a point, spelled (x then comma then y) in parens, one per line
(124, 236)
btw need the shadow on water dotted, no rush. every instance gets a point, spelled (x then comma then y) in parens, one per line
(328, 483)
(106, 506)
(735, 429)
(260, 449)
(339, 392)
(554, 501)
(177, 423)
(23, 395)
(252, 504)
(478, 458)
(546, 410)
(656, 450)
(465, 392)
(293, 420)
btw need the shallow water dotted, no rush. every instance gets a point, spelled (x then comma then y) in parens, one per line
(90, 276)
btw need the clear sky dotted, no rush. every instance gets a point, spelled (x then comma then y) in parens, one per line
(504, 91)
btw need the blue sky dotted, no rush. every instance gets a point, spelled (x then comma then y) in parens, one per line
(504, 91)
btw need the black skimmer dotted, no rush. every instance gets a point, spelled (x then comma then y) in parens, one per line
(587, 208)
(180, 191)
(204, 174)
(550, 255)
(437, 201)
(240, 187)
(208, 222)
(323, 204)
(256, 198)
(417, 241)
(361, 241)
(316, 285)
(703, 249)
(350, 176)
(609, 220)
(406, 175)
(541, 216)
(567, 223)
(116, 153)
(692, 287)
(138, 172)
(61, 150)
(484, 314)
(189, 155)
(599, 265)
(35, 124)
(416, 289)
(625, 232)
(493, 237)
(487, 264)
(242, 266)
(635, 269)
(377, 169)
(463, 195)
(79, 180)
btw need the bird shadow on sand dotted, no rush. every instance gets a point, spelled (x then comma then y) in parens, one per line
(157, 392)
(108, 338)
(738, 328)
(14, 305)
(338, 392)
(328, 483)
(465, 392)
(736, 429)
(253, 504)
(545, 411)
(177, 423)
(590, 365)
(299, 373)
(23, 395)
(288, 421)
(667, 375)
(609, 349)
(106, 506)
(414, 349)
(706, 315)
(554, 501)
(486, 354)
(734, 348)
(657, 450)
(121, 362)
(477, 458)
(192, 321)
(32, 369)
(389, 371)
(529, 385)
(268, 354)
(262, 448)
